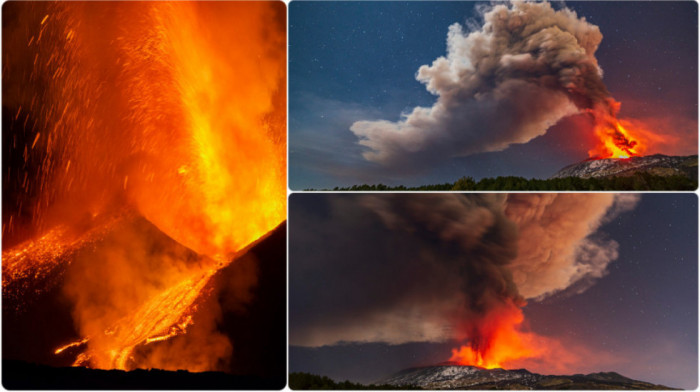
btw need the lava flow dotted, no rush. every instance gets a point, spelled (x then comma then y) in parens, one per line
(496, 340)
(615, 138)
(127, 114)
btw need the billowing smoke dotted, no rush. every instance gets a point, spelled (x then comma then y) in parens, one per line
(434, 267)
(504, 82)
(558, 246)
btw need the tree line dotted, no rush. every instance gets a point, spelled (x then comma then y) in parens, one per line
(300, 380)
(640, 181)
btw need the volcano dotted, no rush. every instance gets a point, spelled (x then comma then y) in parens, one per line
(240, 304)
(452, 376)
(146, 231)
(658, 164)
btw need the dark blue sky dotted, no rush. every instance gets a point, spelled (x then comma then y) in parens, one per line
(351, 61)
(643, 313)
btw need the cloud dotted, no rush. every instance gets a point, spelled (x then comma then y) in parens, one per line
(419, 267)
(558, 244)
(504, 82)
(320, 148)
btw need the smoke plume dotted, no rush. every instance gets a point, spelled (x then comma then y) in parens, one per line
(558, 245)
(504, 82)
(435, 267)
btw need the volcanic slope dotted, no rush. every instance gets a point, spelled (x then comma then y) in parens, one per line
(450, 376)
(659, 165)
(247, 295)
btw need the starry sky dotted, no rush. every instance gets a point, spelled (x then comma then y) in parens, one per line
(351, 61)
(641, 319)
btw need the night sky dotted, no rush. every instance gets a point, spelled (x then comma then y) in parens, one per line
(640, 319)
(353, 61)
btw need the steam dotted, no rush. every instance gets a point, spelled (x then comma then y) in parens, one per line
(434, 267)
(502, 83)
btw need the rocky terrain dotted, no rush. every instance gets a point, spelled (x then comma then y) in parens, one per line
(452, 376)
(659, 165)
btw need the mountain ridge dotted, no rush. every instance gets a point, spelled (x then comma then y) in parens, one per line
(658, 164)
(452, 376)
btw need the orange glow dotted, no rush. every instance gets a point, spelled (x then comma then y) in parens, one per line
(497, 340)
(500, 339)
(617, 138)
(220, 184)
(173, 111)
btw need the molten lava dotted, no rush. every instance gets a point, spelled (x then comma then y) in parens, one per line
(616, 138)
(496, 340)
(173, 111)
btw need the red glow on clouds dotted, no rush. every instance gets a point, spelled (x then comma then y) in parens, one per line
(502, 339)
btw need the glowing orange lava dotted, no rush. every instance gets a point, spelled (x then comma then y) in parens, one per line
(497, 340)
(172, 111)
(616, 138)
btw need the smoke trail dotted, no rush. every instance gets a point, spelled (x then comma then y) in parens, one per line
(436, 267)
(502, 83)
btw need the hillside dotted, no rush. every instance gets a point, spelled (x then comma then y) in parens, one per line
(450, 376)
(657, 165)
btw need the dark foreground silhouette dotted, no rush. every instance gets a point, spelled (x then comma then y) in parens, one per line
(633, 182)
(22, 375)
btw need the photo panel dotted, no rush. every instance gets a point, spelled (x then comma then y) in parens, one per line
(144, 195)
(478, 95)
(493, 291)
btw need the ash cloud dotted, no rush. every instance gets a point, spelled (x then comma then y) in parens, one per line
(503, 82)
(558, 245)
(429, 266)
